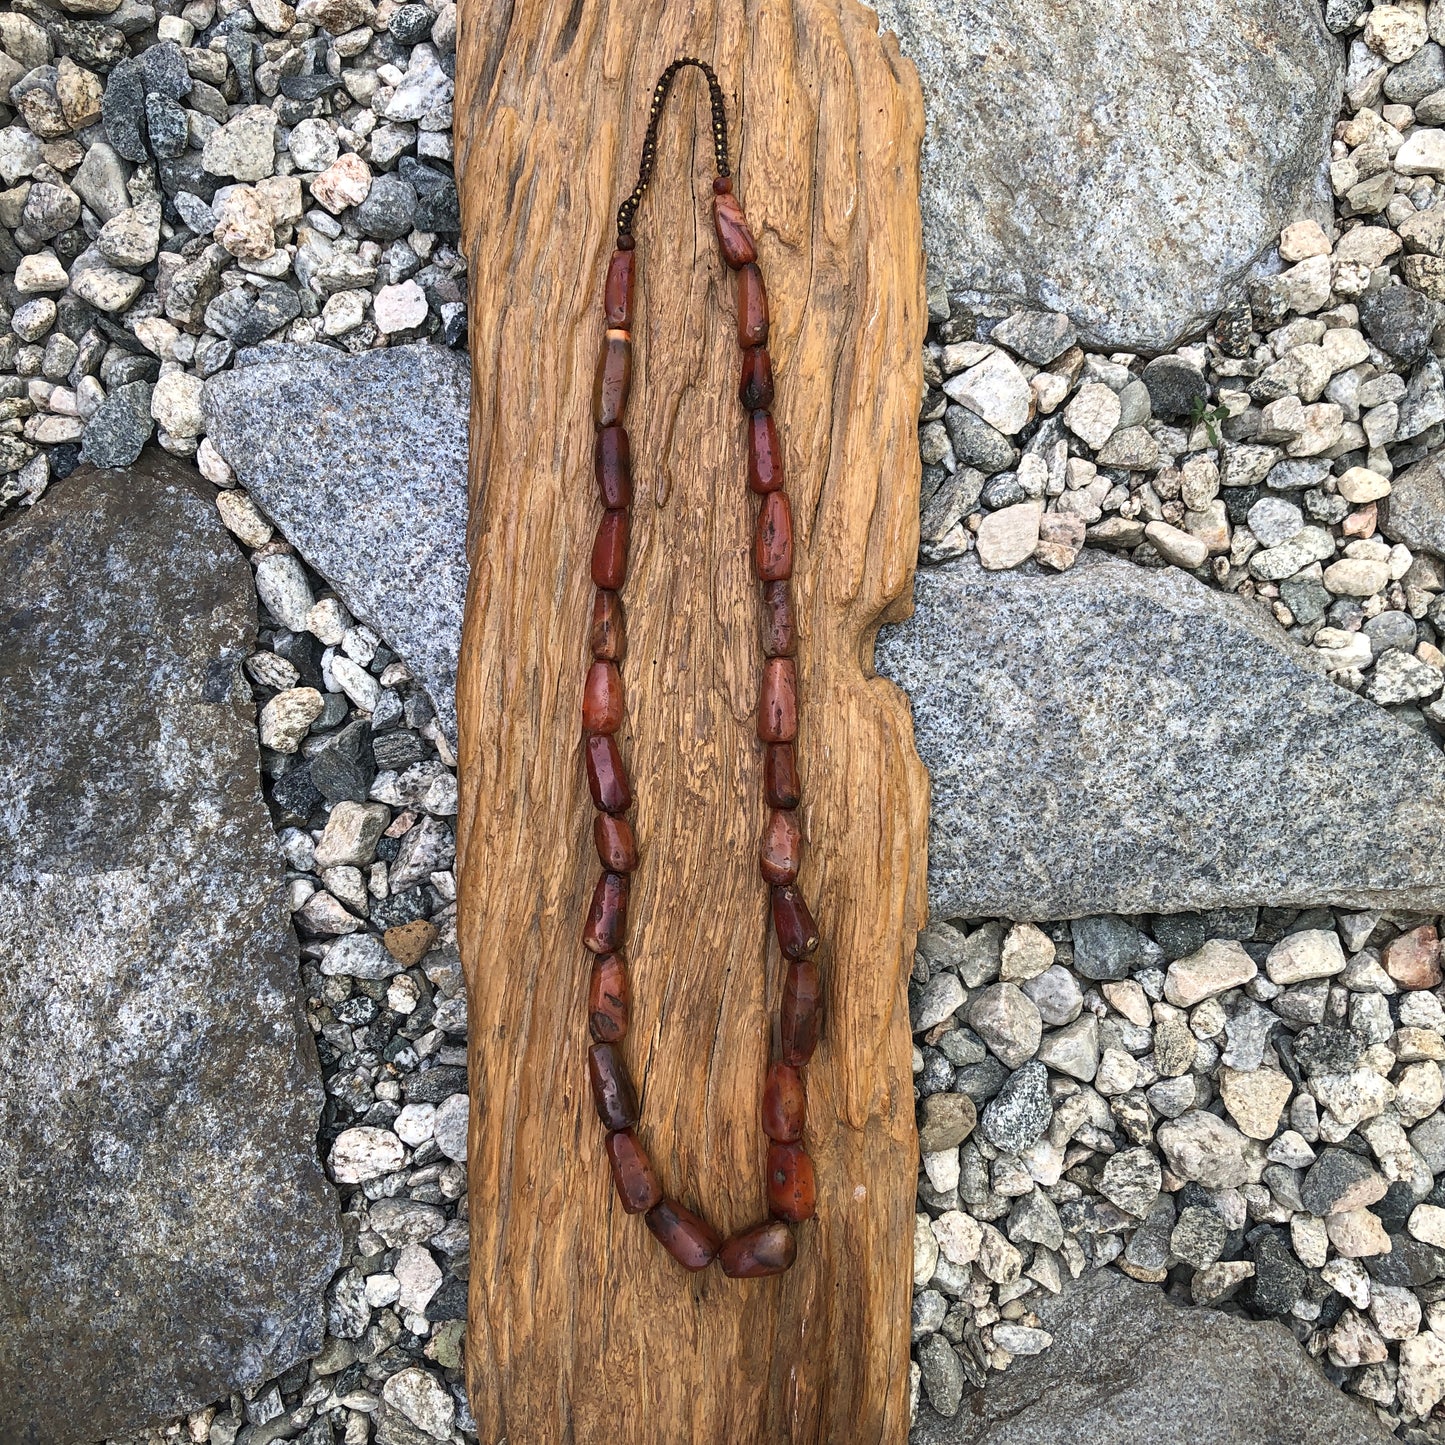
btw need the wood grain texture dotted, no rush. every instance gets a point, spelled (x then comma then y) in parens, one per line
(581, 1328)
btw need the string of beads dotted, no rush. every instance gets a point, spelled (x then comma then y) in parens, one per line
(767, 1248)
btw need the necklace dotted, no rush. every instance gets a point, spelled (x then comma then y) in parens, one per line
(767, 1248)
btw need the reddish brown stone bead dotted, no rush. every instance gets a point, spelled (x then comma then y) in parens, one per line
(609, 551)
(781, 785)
(801, 1013)
(773, 539)
(793, 923)
(608, 998)
(763, 1250)
(782, 852)
(616, 847)
(637, 1185)
(785, 1104)
(612, 466)
(606, 925)
(617, 293)
(613, 380)
(612, 1090)
(606, 776)
(602, 698)
(755, 389)
(778, 701)
(752, 307)
(780, 632)
(609, 630)
(792, 1190)
(765, 454)
(690, 1240)
(736, 240)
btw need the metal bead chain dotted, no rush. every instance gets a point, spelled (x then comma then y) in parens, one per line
(628, 209)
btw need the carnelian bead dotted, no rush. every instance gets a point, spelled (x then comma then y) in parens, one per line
(755, 390)
(780, 633)
(609, 630)
(785, 1104)
(782, 852)
(612, 466)
(773, 539)
(602, 698)
(637, 1186)
(752, 306)
(792, 1191)
(616, 847)
(781, 786)
(606, 925)
(608, 1011)
(617, 292)
(609, 551)
(793, 923)
(778, 701)
(765, 454)
(690, 1240)
(606, 776)
(734, 237)
(612, 1090)
(613, 380)
(800, 1015)
(763, 1250)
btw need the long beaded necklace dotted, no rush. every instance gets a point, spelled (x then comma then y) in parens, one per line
(767, 1248)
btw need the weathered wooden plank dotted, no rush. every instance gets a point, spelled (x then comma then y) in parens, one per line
(581, 1329)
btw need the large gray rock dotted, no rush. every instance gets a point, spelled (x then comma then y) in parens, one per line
(362, 464)
(1127, 164)
(168, 1232)
(1414, 512)
(1123, 740)
(1127, 1367)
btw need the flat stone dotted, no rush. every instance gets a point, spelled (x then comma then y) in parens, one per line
(1050, 184)
(1020, 1112)
(362, 465)
(1116, 739)
(169, 1231)
(1203, 1148)
(1127, 1364)
(996, 391)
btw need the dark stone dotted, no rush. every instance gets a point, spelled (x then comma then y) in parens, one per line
(122, 107)
(1396, 1207)
(1414, 512)
(307, 88)
(389, 210)
(169, 1231)
(1327, 1049)
(167, 126)
(400, 908)
(1410, 1263)
(295, 797)
(186, 173)
(435, 1084)
(1106, 947)
(1330, 1178)
(438, 208)
(244, 318)
(1400, 320)
(1306, 598)
(411, 24)
(120, 428)
(1177, 388)
(1279, 1278)
(1130, 1367)
(1021, 1110)
(397, 750)
(97, 47)
(1180, 934)
(982, 1081)
(976, 443)
(343, 768)
(1422, 74)
(163, 70)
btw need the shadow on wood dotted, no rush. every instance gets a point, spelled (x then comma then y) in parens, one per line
(581, 1328)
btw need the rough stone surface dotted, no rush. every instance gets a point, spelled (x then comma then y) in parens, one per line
(362, 464)
(169, 1232)
(1129, 1365)
(1062, 170)
(1415, 511)
(1126, 741)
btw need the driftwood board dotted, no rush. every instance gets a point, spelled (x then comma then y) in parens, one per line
(581, 1328)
